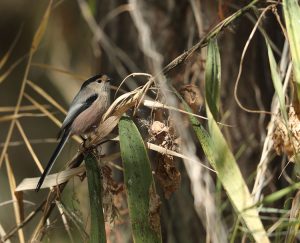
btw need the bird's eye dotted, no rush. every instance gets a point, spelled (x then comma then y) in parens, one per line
(99, 81)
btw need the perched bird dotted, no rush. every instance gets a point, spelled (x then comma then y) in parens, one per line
(84, 115)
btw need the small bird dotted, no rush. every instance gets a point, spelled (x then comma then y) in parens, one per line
(84, 115)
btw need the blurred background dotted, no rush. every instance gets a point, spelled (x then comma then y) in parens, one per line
(84, 38)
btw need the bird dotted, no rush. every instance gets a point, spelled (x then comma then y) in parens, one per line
(83, 116)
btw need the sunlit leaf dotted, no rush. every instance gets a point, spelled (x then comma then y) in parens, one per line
(233, 182)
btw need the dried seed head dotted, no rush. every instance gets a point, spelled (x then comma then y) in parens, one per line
(286, 138)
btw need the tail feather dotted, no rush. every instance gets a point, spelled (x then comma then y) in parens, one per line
(53, 158)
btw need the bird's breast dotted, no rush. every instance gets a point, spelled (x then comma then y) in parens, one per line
(86, 121)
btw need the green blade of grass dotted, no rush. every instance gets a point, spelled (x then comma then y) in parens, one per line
(97, 234)
(213, 77)
(280, 193)
(233, 182)
(223, 160)
(139, 182)
(277, 82)
(291, 12)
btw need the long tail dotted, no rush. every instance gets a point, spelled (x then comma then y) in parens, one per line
(53, 158)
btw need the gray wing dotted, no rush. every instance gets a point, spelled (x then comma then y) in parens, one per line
(82, 101)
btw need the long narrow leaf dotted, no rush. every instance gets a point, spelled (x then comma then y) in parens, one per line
(277, 82)
(291, 12)
(281, 193)
(213, 77)
(233, 181)
(224, 162)
(139, 183)
(94, 184)
(227, 166)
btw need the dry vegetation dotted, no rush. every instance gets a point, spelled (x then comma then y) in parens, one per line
(200, 143)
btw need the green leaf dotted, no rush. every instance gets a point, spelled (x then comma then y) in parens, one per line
(233, 181)
(220, 155)
(139, 183)
(222, 160)
(281, 193)
(277, 82)
(94, 184)
(291, 12)
(200, 131)
(213, 77)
